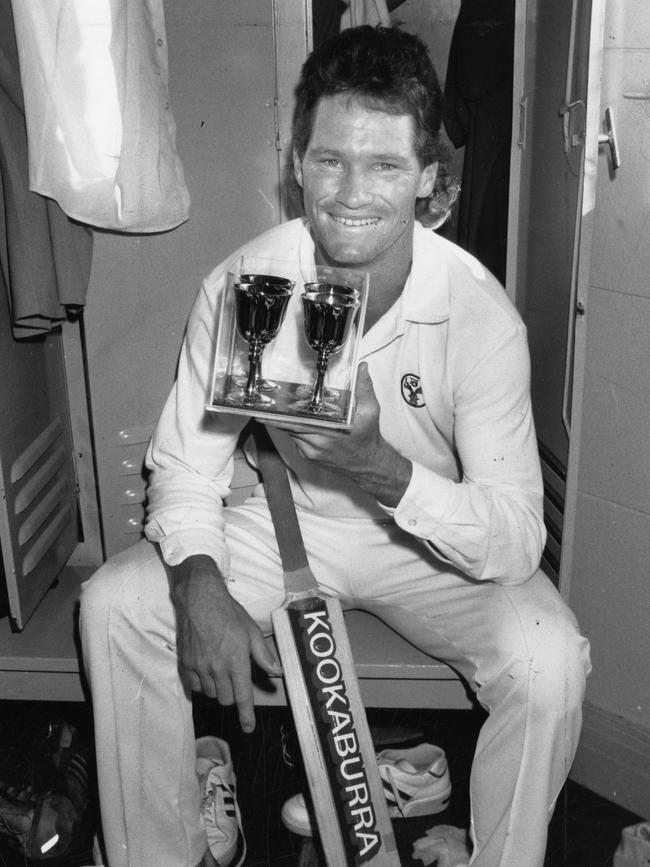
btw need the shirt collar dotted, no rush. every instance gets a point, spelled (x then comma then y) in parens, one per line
(426, 293)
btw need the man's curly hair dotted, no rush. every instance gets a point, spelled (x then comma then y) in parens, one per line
(389, 70)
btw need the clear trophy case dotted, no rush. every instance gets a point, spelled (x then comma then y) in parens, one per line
(287, 343)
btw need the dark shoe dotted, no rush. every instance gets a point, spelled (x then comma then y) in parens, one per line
(42, 819)
(61, 764)
(39, 828)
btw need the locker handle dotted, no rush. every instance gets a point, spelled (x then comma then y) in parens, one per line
(609, 138)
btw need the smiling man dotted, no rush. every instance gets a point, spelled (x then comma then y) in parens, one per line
(427, 512)
(360, 175)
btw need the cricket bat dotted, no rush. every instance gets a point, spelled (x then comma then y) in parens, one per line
(323, 692)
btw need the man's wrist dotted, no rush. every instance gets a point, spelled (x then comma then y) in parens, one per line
(389, 481)
(194, 566)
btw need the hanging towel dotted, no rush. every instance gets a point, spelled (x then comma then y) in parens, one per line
(45, 258)
(365, 12)
(101, 133)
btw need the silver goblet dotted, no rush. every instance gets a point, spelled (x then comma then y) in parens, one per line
(260, 307)
(328, 316)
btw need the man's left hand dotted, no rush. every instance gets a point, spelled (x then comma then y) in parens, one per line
(359, 453)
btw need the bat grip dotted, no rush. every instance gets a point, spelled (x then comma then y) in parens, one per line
(297, 573)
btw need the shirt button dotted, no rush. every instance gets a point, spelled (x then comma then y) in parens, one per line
(412, 522)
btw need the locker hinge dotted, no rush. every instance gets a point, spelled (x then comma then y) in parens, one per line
(523, 108)
(574, 118)
(276, 104)
(75, 470)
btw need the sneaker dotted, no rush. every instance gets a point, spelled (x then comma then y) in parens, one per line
(42, 819)
(416, 783)
(219, 807)
(62, 749)
(38, 827)
(444, 845)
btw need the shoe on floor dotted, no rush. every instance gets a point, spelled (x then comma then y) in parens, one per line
(443, 846)
(42, 819)
(38, 827)
(63, 763)
(219, 807)
(416, 783)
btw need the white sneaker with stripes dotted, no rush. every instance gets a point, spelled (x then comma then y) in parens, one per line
(219, 807)
(416, 783)
(416, 780)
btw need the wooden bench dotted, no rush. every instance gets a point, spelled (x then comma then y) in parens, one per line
(42, 662)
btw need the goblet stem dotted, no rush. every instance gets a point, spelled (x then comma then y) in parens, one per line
(316, 401)
(251, 390)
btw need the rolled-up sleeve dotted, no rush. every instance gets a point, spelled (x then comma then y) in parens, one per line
(190, 456)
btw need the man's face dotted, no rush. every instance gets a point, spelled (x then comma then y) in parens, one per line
(360, 178)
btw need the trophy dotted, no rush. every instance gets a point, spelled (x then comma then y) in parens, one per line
(328, 311)
(267, 332)
(260, 307)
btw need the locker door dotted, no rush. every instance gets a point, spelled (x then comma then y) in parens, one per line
(558, 78)
(39, 526)
(607, 542)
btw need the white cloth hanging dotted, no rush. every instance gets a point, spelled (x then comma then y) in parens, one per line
(365, 12)
(100, 129)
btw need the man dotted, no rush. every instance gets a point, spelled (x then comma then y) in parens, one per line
(426, 512)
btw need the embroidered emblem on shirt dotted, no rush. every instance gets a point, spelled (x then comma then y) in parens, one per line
(412, 390)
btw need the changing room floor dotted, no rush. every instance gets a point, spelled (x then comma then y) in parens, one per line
(584, 832)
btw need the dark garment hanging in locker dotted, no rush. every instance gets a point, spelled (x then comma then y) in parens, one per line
(326, 15)
(478, 116)
(45, 257)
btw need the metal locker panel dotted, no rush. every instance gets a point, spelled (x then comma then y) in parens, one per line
(614, 463)
(621, 247)
(39, 510)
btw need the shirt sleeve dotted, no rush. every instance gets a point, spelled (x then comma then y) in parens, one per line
(190, 456)
(490, 523)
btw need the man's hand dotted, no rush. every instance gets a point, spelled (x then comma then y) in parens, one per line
(216, 638)
(360, 453)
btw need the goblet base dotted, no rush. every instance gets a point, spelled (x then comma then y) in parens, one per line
(324, 408)
(240, 379)
(240, 398)
(307, 391)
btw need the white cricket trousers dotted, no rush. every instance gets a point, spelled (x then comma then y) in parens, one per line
(518, 646)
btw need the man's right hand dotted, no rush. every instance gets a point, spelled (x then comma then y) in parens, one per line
(216, 638)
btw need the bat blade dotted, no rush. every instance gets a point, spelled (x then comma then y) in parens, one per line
(338, 754)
